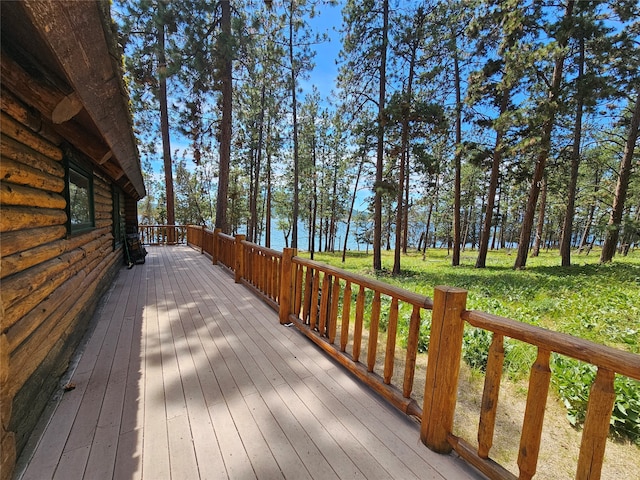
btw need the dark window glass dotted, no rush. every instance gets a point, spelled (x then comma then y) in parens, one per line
(80, 190)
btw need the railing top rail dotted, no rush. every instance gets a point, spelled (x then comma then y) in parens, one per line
(619, 361)
(268, 251)
(224, 236)
(371, 283)
(144, 225)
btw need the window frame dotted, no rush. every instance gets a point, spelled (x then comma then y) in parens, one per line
(119, 216)
(74, 167)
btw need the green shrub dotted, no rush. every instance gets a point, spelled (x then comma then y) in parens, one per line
(475, 347)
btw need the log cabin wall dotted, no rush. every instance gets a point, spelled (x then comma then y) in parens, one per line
(51, 280)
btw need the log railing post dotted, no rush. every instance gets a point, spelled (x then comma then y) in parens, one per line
(443, 367)
(239, 264)
(531, 435)
(214, 248)
(286, 284)
(596, 426)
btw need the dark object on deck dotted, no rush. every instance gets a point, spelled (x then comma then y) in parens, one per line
(134, 252)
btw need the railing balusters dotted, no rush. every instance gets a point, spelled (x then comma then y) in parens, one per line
(596, 426)
(346, 317)
(373, 332)
(313, 318)
(299, 270)
(333, 315)
(490, 396)
(306, 307)
(391, 341)
(412, 352)
(324, 304)
(357, 330)
(534, 415)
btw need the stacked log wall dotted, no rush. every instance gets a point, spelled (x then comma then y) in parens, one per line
(51, 281)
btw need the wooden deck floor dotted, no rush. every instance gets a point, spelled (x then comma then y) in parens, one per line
(187, 375)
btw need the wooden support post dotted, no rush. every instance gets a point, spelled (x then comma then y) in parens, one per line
(239, 264)
(202, 239)
(443, 367)
(214, 250)
(596, 426)
(286, 284)
(534, 415)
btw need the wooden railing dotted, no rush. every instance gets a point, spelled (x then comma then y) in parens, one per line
(261, 269)
(162, 234)
(609, 361)
(319, 300)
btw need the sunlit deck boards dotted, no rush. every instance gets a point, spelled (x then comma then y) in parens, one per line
(188, 375)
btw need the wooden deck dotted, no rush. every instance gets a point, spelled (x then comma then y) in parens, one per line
(188, 375)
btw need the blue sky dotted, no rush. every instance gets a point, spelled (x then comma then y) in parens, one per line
(326, 71)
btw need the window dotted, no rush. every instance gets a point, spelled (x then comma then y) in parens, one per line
(118, 217)
(80, 199)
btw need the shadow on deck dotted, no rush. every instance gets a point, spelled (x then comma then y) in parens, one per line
(188, 375)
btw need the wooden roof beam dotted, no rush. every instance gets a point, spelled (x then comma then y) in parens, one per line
(74, 32)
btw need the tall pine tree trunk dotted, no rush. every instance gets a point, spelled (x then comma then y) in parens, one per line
(403, 160)
(624, 174)
(455, 259)
(495, 224)
(252, 230)
(226, 121)
(353, 202)
(567, 226)
(164, 124)
(377, 202)
(545, 147)
(267, 219)
(541, 215)
(483, 247)
(334, 210)
(294, 108)
(405, 223)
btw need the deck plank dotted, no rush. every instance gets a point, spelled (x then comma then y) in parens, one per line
(189, 375)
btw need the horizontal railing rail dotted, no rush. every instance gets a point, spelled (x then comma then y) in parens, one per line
(162, 234)
(355, 319)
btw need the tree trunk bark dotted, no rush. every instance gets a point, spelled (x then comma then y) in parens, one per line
(540, 225)
(377, 203)
(353, 202)
(455, 259)
(164, 127)
(267, 220)
(615, 220)
(294, 107)
(403, 160)
(483, 248)
(226, 122)
(567, 226)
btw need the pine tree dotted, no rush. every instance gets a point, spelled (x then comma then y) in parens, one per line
(144, 27)
(363, 79)
(550, 108)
